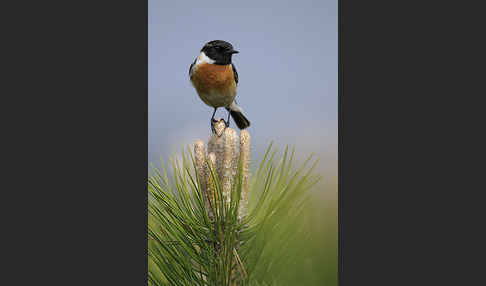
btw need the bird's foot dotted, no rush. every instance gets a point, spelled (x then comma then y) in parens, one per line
(213, 130)
(218, 126)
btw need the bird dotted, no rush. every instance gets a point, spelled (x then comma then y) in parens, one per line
(215, 79)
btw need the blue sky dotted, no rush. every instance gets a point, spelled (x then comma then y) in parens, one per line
(287, 66)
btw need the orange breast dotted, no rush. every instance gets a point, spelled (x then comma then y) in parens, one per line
(211, 78)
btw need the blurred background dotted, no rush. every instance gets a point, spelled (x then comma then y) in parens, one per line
(288, 88)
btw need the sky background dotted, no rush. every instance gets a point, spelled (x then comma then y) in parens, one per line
(287, 66)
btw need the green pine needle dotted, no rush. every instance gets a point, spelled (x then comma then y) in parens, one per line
(185, 248)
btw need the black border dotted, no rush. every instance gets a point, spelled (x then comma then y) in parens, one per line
(405, 213)
(77, 144)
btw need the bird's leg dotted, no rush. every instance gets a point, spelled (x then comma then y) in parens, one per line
(228, 122)
(213, 121)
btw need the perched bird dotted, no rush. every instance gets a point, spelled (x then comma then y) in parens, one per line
(215, 79)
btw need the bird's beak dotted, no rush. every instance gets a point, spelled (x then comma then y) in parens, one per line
(233, 52)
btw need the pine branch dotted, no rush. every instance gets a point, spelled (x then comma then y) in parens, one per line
(203, 229)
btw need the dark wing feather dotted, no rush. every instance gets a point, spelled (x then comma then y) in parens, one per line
(190, 68)
(235, 73)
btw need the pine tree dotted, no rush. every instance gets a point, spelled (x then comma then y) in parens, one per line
(212, 223)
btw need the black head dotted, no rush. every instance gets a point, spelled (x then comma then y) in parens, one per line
(219, 51)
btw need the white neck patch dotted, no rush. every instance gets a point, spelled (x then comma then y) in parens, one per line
(202, 58)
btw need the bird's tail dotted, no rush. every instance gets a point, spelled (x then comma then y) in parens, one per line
(241, 121)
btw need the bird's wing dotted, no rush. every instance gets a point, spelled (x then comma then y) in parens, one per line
(235, 73)
(190, 68)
